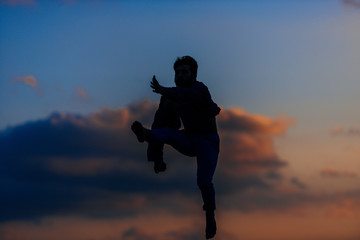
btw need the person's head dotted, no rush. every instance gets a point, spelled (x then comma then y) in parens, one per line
(185, 71)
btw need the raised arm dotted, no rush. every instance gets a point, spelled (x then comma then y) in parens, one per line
(197, 94)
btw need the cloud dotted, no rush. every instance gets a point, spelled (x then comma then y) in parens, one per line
(247, 153)
(344, 209)
(81, 93)
(92, 165)
(137, 234)
(295, 181)
(30, 81)
(338, 130)
(334, 173)
(353, 3)
(236, 119)
(322, 221)
(353, 131)
(162, 226)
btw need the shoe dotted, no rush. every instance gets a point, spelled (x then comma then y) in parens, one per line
(159, 166)
(139, 131)
(210, 225)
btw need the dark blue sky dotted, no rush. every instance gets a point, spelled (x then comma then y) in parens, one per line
(265, 57)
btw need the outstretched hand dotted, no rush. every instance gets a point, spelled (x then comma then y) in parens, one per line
(157, 88)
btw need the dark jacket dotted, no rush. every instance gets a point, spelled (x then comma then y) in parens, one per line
(195, 107)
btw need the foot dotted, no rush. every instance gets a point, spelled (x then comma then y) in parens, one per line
(139, 131)
(210, 225)
(159, 166)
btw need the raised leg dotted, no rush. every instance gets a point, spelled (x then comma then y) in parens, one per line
(165, 116)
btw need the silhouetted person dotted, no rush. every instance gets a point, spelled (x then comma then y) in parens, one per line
(191, 102)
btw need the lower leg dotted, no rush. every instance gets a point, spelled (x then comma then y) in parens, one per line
(142, 135)
(210, 230)
(177, 139)
(155, 154)
(208, 196)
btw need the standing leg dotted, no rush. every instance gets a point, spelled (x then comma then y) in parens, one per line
(207, 151)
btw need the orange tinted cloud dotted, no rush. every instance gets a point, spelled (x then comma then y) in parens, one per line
(81, 93)
(157, 226)
(99, 159)
(247, 141)
(30, 81)
(92, 168)
(342, 224)
(337, 129)
(109, 118)
(344, 209)
(334, 173)
(236, 119)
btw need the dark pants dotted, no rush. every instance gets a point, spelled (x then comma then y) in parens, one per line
(206, 149)
(165, 116)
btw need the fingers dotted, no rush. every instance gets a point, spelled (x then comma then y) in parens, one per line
(155, 85)
(156, 88)
(154, 81)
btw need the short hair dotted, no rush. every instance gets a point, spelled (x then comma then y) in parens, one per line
(187, 60)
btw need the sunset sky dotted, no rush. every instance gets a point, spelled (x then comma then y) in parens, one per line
(75, 74)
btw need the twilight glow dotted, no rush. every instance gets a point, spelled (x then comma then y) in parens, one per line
(74, 74)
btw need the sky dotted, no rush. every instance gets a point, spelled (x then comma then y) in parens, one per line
(75, 74)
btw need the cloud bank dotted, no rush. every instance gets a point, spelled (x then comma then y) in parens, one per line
(82, 177)
(93, 166)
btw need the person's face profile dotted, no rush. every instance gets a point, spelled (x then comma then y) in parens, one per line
(183, 76)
